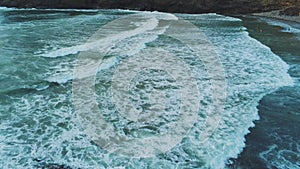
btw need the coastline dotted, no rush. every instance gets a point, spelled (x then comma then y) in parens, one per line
(178, 6)
(261, 130)
(276, 15)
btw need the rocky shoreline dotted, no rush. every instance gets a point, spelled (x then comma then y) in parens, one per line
(290, 14)
(172, 6)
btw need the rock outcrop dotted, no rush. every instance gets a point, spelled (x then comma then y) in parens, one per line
(292, 11)
(174, 6)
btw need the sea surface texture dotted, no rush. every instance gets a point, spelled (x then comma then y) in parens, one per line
(39, 53)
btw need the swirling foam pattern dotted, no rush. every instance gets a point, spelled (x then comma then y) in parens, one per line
(38, 123)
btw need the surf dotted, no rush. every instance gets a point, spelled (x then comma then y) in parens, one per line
(252, 70)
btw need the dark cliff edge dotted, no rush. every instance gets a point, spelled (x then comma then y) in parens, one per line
(172, 6)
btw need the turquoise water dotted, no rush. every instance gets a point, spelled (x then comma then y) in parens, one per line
(39, 126)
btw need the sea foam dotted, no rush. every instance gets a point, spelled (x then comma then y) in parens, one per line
(45, 131)
(251, 69)
(285, 27)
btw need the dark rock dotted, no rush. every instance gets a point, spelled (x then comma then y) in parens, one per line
(43, 165)
(174, 6)
(292, 11)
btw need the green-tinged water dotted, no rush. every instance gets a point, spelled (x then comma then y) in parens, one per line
(39, 124)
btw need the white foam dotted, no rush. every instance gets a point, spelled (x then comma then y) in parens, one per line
(6, 9)
(252, 71)
(106, 42)
(285, 27)
(127, 42)
(60, 78)
(49, 9)
(162, 15)
(280, 158)
(211, 16)
(75, 10)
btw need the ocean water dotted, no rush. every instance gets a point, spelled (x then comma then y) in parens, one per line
(39, 125)
(274, 142)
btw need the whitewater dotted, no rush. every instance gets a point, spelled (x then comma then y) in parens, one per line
(39, 56)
